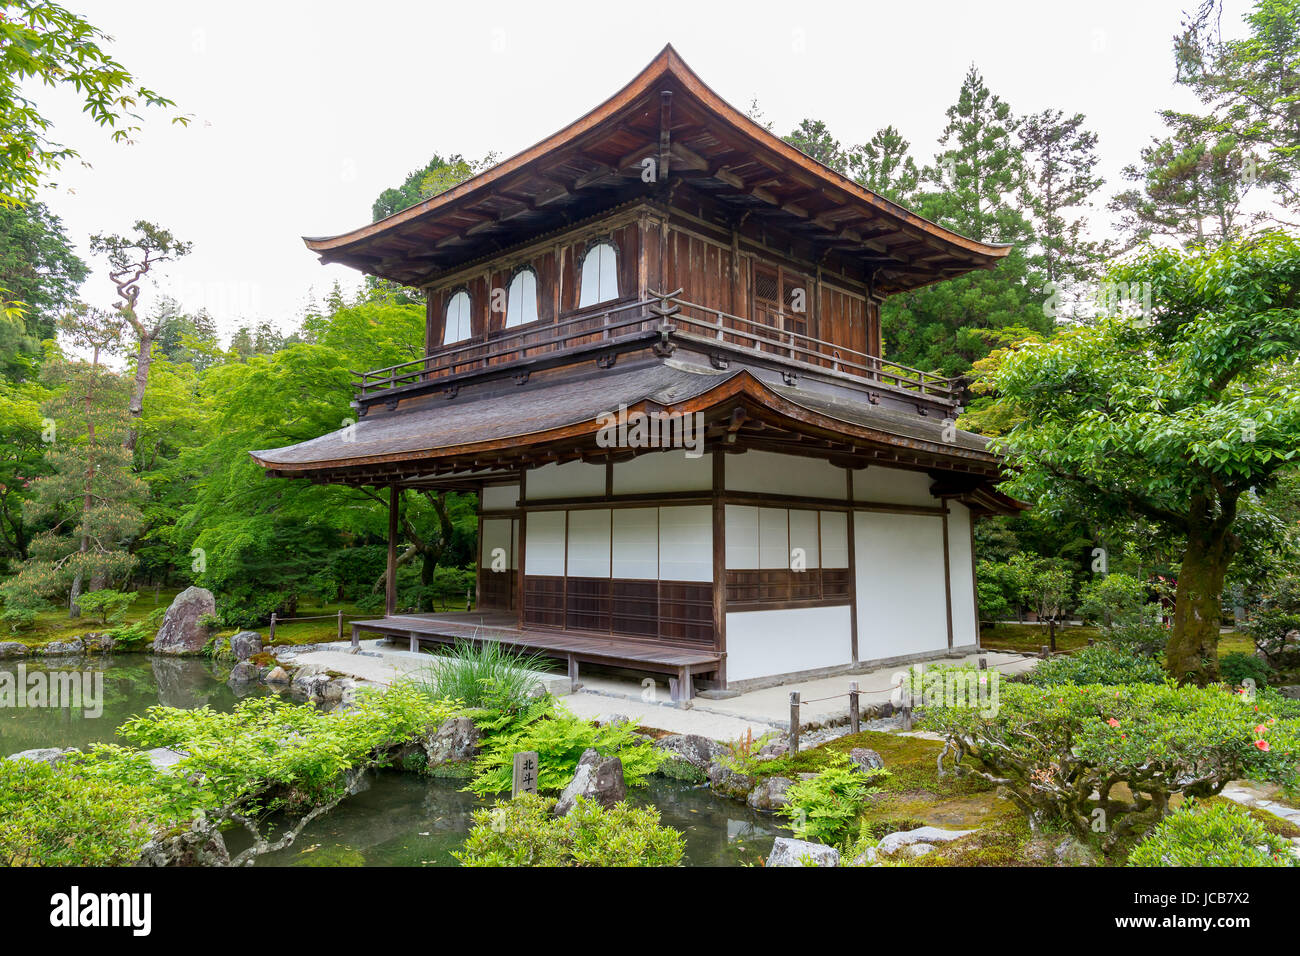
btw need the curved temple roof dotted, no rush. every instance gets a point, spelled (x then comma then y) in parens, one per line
(669, 114)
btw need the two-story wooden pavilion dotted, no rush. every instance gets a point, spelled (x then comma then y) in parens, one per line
(664, 255)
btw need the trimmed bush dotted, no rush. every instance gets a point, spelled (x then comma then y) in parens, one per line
(1212, 834)
(523, 832)
(1053, 747)
(1237, 668)
(1099, 664)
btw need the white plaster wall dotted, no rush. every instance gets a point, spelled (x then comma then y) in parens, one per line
(636, 543)
(573, 479)
(767, 643)
(663, 471)
(900, 584)
(589, 543)
(763, 471)
(497, 533)
(544, 545)
(686, 543)
(498, 497)
(888, 485)
(965, 628)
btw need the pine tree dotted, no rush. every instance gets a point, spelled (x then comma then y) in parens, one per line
(884, 166)
(89, 496)
(975, 187)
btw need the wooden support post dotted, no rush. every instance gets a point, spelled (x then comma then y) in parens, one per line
(340, 624)
(271, 637)
(674, 690)
(907, 713)
(356, 636)
(415, 643)
(573, 675)
(684, 683)
(390, 576)
(794, 722)
(855, 723)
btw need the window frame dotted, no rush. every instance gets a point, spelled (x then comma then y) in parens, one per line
(449, 296)
(592, 245)
(515, 273)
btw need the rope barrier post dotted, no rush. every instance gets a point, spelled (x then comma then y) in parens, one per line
(271, 638)
(1044, 651)
(854, 721)
(794, 722)
(340, 624)
(984, 663)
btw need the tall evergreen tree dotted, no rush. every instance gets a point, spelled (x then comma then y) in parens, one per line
(884, 165)
(975, 186)
(814, 139)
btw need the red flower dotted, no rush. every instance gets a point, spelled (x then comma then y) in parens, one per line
(1262, 744)
(1113, 722)
(1259, 731)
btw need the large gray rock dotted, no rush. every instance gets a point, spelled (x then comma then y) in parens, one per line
(598, 779)
(50, 755)
(769, 794)
(694, 749)
(787, 851)
(181, 631)
(97, 643)
(728, 782)
(866, 759)
(894, 842)
(453, 742)
(12, 649)
(63, 648)
(244, 673)
(277, 675)
(245, 644)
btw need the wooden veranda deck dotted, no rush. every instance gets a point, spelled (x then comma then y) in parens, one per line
(573, 648)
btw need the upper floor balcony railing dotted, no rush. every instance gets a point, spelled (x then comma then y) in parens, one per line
(778, 338)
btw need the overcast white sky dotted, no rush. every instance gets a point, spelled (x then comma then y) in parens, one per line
(304, 112)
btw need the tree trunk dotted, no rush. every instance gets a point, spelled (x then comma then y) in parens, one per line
(143, 359)
(1192, 652)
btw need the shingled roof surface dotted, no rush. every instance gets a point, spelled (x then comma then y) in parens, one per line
(443, 425)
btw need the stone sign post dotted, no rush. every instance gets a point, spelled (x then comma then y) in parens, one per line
(524, 779)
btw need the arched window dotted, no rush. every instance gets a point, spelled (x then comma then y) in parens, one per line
(521, 299)
(457, 328)
(599, 275)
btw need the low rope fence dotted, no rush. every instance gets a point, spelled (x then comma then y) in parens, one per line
(854, 697)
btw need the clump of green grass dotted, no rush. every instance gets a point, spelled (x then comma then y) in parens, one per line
(481, 676)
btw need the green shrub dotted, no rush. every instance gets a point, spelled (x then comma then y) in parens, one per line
(1211, 834)
(1053, 747)
(1116, 599)
(51, 818)
(109, 606)
(1269, 628)
(140, 632)
(1098, 664)
(1147, 639)
(1237, 668)
(523, 832)
(484, 675)
(560, 739)
(824, 808)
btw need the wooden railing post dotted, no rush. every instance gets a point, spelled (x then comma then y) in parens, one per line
(794, 722)
(271, 639)
(340, 624)
(855, 724)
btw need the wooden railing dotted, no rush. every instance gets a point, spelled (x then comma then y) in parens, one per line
(677, 316)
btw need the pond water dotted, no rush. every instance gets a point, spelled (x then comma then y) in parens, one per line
(396, 819)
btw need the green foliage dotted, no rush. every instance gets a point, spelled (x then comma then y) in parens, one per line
(1273, 618)
(484, 675)
(42, 43)
(1142, 640)
(52, 818)
(560, 739)
(825, 808)
(1173, 417)
(138, 633)
(524, 832)
(1237, 668)
(108, 605)
(1098, 664)
(1212, 834)
(1116, 598)
(1054, 747)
